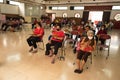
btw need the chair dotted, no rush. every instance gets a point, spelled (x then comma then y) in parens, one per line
(73, 40)
(61, 51)
(38, 43)
(107, 39)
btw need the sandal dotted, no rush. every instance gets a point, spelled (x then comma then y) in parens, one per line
(53, 61)
(31, 50)
(35, 51)
(50, 55)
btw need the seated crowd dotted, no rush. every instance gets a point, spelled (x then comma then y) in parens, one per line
(83, 37)
(11, 24)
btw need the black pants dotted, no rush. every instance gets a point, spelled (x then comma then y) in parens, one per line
(82, 55)
(32, 40)
(101, 40)
(4, 27)
(56, 45)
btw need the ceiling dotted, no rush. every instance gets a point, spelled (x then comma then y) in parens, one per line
(68, 1)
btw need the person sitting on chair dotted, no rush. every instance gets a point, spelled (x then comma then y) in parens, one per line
(101, 33)
(56, 41)
(84, 49)
(37, 36)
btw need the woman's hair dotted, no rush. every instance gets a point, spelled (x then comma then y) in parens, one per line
(103, 26)
(87, 39)
(90, 32)
(39, 23)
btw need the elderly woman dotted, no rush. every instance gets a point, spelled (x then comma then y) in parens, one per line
(56, 41)
(37, 35)
(85, 48)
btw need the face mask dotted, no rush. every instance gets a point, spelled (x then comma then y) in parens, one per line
(102, 28)
(90, 37)
(58, 29)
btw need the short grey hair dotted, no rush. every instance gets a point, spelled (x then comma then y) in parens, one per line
(90, 32)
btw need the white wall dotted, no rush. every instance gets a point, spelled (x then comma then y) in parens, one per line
(9, 9)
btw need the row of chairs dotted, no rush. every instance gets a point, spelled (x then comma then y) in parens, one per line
(62, 49)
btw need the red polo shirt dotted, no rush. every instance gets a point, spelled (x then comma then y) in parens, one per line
(59, 34)
(39, 31)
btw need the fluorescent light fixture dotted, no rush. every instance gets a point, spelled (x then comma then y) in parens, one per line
(78, 8)
(62, 8)
(54, 8)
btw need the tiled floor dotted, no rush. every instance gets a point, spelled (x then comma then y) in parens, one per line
(16, 63)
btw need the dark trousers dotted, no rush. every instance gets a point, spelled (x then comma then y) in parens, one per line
(56, 45)
(101, 40)
(4, 27)
(32, 40)
(82, 55)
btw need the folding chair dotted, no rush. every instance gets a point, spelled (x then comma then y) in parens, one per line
(107, 39)
(39, 43)
(62, 52)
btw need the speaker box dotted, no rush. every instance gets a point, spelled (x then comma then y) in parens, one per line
(50, 7)
(71, 7)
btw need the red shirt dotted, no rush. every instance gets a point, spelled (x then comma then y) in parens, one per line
(39, 31)
(102, 32)
(59, 34)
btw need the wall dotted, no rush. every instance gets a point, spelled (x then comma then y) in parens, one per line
(70, 13)
(113, 13)
(9, 9)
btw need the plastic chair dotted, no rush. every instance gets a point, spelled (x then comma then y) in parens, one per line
(107, 39)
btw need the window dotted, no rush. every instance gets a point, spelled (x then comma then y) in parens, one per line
(78, 8)
(14, 2)
(1, 1)
(116, 8)
(77, 15)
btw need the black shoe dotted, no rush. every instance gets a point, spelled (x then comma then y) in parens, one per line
(47, 52)
(78, 71)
